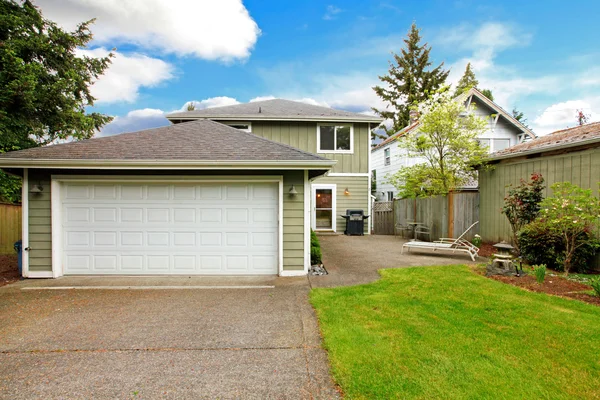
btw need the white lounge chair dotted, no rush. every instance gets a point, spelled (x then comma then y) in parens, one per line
(447, 244)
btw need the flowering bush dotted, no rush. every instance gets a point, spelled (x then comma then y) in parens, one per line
(522, 204)
(571, 214)
(540, 245)
(476, 240)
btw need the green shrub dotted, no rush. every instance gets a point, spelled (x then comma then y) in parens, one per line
(315, 249)
(539, 245)
(596, 286)
(571, 213)
(540, 273)
(476, 241)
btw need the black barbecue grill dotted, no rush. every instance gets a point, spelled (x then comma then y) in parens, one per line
(355, 222)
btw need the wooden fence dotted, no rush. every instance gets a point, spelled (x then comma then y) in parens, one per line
(383, 218)
(446, 216)
(10, 227)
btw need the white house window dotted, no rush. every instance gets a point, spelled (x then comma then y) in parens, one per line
(242, 126)
(335, 138)
(390, 196)
(485, 143)
(495, 145)
(386, 156)
(501, 144)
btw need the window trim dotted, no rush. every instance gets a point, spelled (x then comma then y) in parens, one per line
(387, 157)
(321, 151)
(492, 143)
(231, 123)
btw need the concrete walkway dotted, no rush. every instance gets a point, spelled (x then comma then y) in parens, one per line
(187, 337)
(355, 260)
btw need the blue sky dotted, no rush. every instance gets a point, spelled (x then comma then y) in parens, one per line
(539, 56)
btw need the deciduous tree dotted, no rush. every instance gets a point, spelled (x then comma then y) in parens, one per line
(445, 147)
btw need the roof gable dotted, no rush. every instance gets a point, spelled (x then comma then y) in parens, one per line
(275, 109)
(487, 103)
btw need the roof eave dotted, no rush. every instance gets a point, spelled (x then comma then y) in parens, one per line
(177, 117)
(544, 149)
(168, 164)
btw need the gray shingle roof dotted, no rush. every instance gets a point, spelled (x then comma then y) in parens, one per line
(201, 140)
(274, 109)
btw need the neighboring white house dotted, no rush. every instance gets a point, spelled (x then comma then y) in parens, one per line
(503, 131)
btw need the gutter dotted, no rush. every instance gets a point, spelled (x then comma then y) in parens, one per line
(544, 149)
(175, 117)
(162, 164)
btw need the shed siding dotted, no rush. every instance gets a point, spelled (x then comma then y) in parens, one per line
(581, 168)
(303, 135)
(40, 223)
(358, 186)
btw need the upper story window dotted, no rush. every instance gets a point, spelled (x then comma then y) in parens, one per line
(242, 126)
(495, 145)
(386, 156)
(334, 138)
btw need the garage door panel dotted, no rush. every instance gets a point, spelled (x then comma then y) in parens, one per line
(170, 229)
(131, 192)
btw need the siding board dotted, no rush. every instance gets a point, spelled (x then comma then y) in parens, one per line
(581, 168)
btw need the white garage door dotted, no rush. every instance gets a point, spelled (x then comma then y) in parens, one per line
(146, 229)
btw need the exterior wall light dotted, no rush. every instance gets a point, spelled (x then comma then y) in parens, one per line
(293, 191)
(347, 192)
(36, 189)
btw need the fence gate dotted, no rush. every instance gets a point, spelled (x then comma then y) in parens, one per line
(383, 218)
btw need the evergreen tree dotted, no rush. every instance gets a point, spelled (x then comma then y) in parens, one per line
(487, 93)
(409, 81)
(467, 81)
(519, 116)
(44, 84)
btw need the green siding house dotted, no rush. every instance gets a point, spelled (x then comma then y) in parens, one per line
(225, 191)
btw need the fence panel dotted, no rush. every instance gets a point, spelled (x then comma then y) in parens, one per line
(445, 216)
(10, 227)
(383, 218)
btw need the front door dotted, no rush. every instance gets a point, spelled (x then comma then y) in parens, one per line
(323, 207)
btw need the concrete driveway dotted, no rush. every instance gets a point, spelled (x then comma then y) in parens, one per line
(161, 343)
(355, 260)
(199, 341)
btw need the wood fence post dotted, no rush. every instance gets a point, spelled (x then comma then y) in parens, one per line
(451, 214)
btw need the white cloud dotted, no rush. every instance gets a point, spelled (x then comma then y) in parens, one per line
(126, 75)
(591, 77)
(262, 98)
(487, 39)
(485, 43)
(147, 118)
(331, 12)
(211, 102)
(213, 30)
(564, 115)
(134, 121)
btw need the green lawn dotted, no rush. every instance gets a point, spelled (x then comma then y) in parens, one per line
(444, 332)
